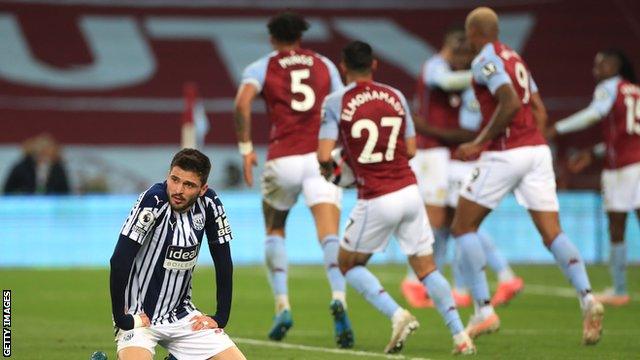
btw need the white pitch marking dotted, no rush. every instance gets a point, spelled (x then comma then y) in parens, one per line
(322, 349)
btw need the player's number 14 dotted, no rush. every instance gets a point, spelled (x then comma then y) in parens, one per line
(633, 115)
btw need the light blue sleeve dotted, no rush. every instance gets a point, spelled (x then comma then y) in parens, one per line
(470, 115)
(488, 69)
(255, 73)
(334, 75)
(330, 116)
(434, 71)
(604, 96)
(410, 128)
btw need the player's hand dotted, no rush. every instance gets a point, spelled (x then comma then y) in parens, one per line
(248, 162)
(145, 320)
(203, 322)
(326, 169)
(468, 151)
(579, 161)
(550, 133)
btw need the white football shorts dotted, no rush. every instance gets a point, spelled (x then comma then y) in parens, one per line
(177, 338)
(459, 172)
(527, 170)
(431, 169)
(285, 177)
(621, 188)
(400, 213)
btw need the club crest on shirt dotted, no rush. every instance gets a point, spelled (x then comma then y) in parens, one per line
(489, 69)
(198, 222)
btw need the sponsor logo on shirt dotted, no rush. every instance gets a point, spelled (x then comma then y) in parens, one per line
(181, 257)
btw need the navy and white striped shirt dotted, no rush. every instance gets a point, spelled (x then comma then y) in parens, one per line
(159, 282)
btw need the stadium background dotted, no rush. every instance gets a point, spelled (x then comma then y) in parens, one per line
(106, 79)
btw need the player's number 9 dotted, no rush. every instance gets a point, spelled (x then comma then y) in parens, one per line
(633, 115)
(522, 76)
(297, 87)
(367, 156)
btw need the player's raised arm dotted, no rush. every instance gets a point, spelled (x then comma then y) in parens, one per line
(218, 236)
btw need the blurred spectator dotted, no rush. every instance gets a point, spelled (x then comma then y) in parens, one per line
(40, 171)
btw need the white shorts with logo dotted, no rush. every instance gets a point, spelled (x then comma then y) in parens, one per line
(431, 169)
(621, 188)
(459, 172)
(527, 170)
(400, 213)
(284, 178)
(177, 338)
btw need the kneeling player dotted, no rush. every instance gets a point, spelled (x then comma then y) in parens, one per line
(153, 262)
(379, 138)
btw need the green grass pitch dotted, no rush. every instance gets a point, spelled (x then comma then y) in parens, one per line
(65, 314)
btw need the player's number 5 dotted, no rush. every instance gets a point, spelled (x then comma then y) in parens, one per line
(633, 115)
(297, 87)
(368, 156)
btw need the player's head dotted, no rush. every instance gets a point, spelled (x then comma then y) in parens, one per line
(481, 27)
(286, 28)
(612, 62)
(454, 37)
(187, 179)
(357, 59)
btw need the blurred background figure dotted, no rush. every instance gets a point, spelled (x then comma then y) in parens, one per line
(41, 169)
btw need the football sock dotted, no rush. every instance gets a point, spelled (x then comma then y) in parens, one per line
(458, 279)
(368, 286)
(330, 247)
(495, 260)
(472, 262)
(618, 264)
(276, 259)
(568, 258)
(440, 292)
(440, 247)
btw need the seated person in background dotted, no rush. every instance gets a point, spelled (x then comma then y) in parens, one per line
(40, 171)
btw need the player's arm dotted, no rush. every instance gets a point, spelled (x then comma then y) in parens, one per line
(250, 86)
(603, 99)
(328, 134)
(218, 236)
(139, 223)
(410, 128)
(537, 105)
(440, 76)
(451, 136)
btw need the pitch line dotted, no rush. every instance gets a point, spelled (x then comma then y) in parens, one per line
(321, 349)
(559, 291)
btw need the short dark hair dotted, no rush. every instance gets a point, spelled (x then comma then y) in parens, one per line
(358, 56)
(193, 160)
(287, 27)
(625, 68)
(454, 36)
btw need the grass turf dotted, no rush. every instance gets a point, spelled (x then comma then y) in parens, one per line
(65, 314)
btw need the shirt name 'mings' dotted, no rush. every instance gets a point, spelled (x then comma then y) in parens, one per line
(296, 60)
(366, 96)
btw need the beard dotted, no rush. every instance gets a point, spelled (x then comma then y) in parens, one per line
(187, 203)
